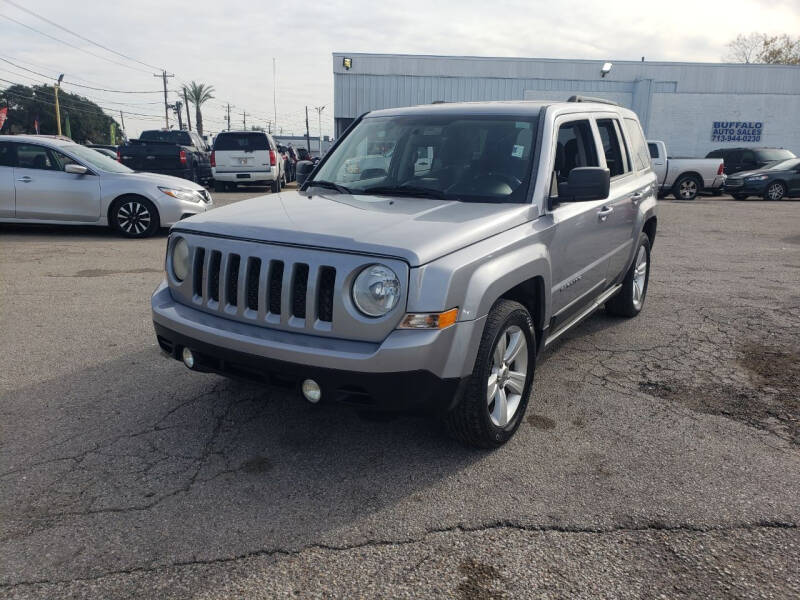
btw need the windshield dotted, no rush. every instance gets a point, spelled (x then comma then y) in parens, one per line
(784, 165)
(96, 160)
(482, 158)
(774, 154)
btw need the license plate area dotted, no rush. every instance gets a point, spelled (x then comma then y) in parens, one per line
(242, 176)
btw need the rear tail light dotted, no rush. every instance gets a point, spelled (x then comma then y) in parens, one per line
(119, 156)
(183, 157)
(213, 159)
(721, 168)
(273, 160)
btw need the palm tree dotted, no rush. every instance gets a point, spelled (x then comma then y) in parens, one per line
(198, 94)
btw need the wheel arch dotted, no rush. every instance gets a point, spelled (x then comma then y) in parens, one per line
(530, 294)
(693, 174)
(131, 196)
(650, 226)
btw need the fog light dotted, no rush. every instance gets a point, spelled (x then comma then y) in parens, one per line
(311, 391)
(188, 358)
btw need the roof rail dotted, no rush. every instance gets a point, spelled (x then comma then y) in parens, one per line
(591, 99)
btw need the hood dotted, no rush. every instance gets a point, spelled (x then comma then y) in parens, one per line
(158, 179)
(417, 230)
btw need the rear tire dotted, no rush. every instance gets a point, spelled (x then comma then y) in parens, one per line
(275, 186)
(134, 217)
(630, 300)
(498, 390)
(687, 187)
(220, 186)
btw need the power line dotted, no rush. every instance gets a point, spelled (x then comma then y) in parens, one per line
(47, 35)
(85, 39)
(52, 95)
(88, 87)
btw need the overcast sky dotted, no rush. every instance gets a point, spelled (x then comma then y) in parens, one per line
(230, 45)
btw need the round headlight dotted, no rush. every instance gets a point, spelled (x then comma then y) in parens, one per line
(180, 259)
(376, 290)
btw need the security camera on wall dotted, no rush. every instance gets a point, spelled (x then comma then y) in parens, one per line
(605, 69)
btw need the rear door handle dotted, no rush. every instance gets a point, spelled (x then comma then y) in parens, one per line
(25, 179)
(604, 212)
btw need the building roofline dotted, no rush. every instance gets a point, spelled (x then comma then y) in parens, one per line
(566, 60)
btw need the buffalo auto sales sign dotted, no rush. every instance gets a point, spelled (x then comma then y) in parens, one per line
(736, 131)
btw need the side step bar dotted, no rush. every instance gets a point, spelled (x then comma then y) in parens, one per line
(580, 317)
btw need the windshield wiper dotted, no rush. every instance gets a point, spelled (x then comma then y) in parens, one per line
(405, 190)
(329, 185)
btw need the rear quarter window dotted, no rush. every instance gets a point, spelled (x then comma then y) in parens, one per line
(241, 141)
(639, 150)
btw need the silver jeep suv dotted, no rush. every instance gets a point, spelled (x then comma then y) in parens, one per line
(426, 261)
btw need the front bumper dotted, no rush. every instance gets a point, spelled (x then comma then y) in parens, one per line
(747, 188)
(172, 210)
(408, 369)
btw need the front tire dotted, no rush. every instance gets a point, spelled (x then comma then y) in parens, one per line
(687, 187)
(775, 191)
(220, 186)
(630, 300)
(499, 387)
(134, 217)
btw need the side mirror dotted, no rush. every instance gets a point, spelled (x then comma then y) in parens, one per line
(584, 184)
(76, 169)
(303, 170)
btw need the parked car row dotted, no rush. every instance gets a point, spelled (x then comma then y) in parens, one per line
(45, 179)
(772, 173)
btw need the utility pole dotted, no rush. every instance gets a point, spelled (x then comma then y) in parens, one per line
(275, 93)
(308, 139)
(177, 108)
(164, 76)
(244, 120)
(58, 111)
(188, 117)
(229, 116)
(319, 110)
(122, 121)
(269, 127)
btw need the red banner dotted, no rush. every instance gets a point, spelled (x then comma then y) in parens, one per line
(3, 116)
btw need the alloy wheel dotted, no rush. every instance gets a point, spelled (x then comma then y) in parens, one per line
(775, 191)
(688, 189)
(507, 376)
(639, 277)
(134, 218)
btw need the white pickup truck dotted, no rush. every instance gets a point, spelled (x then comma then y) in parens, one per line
(684, 178)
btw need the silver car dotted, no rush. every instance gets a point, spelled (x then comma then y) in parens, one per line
(52, 180)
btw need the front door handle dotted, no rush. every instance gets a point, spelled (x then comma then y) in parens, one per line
(635, 198)
(24, 179)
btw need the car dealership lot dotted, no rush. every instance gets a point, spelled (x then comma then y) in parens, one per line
(659, 455)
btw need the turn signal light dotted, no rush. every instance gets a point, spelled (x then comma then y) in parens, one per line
(429, 320)
(182, 156)
(721, 168)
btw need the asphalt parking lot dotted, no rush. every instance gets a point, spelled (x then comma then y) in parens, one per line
(660, 456)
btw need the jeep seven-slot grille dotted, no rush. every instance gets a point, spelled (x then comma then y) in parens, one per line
(263, 286)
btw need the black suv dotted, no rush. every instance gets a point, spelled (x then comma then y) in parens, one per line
(749, 159)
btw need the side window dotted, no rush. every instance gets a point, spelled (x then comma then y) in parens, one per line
(612, 147)
(575, 148)
(639, 152)
(653, 148)
(7, 154)
(31, 156)
(748, 157)
(62, 160)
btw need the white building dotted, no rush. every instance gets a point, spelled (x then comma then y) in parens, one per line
(693, 107)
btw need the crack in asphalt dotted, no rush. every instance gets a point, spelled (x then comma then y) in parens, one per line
(456, 529)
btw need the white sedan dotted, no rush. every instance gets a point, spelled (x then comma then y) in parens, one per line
(54, 180)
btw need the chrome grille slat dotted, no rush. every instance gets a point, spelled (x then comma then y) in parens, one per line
(314, 272)
(286, 294)
(263, 287)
